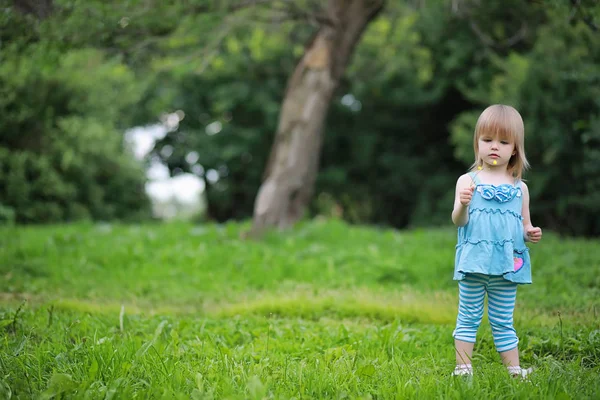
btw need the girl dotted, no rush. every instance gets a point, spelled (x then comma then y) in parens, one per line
(491, 210)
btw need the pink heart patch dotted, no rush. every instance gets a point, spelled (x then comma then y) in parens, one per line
(518, 263)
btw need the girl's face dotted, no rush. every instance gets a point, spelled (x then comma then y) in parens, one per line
(495, 151)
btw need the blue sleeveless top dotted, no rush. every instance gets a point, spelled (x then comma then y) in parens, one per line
(492, 241)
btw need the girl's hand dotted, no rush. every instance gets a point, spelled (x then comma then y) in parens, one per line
(466, 195)
(534, 234)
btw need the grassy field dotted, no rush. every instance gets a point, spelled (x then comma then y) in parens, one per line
(324, 311)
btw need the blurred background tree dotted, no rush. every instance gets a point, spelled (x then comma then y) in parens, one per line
(397, 135)
(63, 109)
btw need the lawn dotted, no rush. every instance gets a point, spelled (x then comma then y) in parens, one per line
(327, 310)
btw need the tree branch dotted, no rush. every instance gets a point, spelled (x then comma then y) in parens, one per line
(488, 41)
(587, 19)
(296, 14)
(229, 8)
(40, 8)
(290, 11)
(376, 7)
(485, 39)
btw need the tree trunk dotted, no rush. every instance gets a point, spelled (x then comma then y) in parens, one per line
(291, 172)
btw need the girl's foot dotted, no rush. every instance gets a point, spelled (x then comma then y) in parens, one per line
(518, 372)
(463, 370)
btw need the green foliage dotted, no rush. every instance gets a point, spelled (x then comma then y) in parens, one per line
(7, 215)
(61, 151)
(325, 310)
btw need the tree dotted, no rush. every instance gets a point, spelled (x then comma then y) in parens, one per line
(62, 112)
(292, 168)
(384, 155)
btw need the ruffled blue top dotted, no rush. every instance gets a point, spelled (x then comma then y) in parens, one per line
(492, 241)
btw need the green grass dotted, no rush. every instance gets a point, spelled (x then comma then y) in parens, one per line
(324, 311)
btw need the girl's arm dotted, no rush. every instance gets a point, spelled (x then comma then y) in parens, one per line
(531, 233)
(462, 199)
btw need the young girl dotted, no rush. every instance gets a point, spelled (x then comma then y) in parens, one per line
(491, 210)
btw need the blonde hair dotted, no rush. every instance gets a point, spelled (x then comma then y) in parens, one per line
(505, 123)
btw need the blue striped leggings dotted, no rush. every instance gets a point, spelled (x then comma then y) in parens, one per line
(502, 295)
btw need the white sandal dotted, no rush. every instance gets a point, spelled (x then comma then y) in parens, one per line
(463, 370)
(518, 372)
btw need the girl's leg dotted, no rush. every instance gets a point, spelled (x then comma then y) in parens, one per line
(511, 357)
(464, 352)
(502, 296)
(471, 292)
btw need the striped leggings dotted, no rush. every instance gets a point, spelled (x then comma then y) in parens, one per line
(502, 295)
